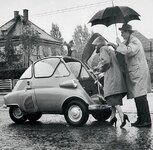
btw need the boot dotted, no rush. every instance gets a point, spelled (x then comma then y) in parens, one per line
(143, 112)
(136, 122)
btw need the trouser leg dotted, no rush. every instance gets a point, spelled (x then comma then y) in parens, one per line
(138, 111)
(143, 109)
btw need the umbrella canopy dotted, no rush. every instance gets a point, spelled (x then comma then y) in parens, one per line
(113, 15)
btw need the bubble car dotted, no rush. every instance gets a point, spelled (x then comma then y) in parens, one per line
(57, 85)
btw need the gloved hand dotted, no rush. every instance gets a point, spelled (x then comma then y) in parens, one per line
(112, 44)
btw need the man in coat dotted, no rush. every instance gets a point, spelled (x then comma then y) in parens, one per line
(137, 74)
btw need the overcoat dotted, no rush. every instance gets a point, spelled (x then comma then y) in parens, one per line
(114, 82)
(137, 72)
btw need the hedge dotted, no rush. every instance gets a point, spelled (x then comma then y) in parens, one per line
(11, 73)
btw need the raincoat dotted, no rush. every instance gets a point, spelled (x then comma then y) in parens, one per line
(113, 80)
(137, 73)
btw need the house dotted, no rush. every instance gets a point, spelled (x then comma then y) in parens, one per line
(151, 48)
(16, 27)
(147, 45)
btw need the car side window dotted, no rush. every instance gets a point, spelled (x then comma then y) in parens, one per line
(46, 67)
(84, 73)
(61, 70)
(74, 67)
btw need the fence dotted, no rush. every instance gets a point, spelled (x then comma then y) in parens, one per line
(7, 84)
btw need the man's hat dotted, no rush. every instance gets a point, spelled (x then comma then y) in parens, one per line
(126, 27)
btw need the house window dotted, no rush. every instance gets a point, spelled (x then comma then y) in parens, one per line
(2, 49)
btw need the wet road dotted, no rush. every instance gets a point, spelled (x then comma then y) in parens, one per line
(52, 132)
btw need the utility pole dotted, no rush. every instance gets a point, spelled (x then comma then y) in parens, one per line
(150, 50)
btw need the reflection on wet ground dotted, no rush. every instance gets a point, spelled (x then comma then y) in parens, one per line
(53, 133)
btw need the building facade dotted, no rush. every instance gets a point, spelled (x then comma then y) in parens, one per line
(20, 25)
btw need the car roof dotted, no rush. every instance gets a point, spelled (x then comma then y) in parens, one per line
(65, 58)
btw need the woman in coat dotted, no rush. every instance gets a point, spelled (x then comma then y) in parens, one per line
(114, 84)
(137, 74)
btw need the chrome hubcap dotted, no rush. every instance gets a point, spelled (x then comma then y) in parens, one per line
(75, 113)
(17, 113)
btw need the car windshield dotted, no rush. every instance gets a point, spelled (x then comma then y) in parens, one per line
(27, 74)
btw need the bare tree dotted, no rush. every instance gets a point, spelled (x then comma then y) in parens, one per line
(8, 55)
(30, 41)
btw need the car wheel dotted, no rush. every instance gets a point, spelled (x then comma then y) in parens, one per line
(76, 113)
(34, 117)
(102, 115)
(17, 115)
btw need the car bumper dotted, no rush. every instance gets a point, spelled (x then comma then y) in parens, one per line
(4, 106)
(95, 107)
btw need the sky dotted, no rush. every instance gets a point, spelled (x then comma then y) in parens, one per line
(68, 14)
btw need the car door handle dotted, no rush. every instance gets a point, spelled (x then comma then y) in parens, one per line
(28, 85)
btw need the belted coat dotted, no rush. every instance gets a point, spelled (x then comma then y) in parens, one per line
(113, 80)
(137, 72)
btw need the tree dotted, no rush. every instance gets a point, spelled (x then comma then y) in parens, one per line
(10, 65)
(56, 33)
(30, 41)
(80, 37)
(8, 55)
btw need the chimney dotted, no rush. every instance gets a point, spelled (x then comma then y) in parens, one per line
(16, 14)
(25, 14)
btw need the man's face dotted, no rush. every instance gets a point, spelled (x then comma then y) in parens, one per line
(125, 34)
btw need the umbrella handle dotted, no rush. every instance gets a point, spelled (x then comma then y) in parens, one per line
(116, 30)
(112, 3)
(115, 23)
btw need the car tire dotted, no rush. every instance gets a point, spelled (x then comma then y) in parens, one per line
(102, 115)
(34, 117)
(17, 115)
(76, 113)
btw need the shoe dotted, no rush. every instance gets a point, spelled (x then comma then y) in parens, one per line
(143, 124)
(125, 117)
(135, 123)
(113, 121)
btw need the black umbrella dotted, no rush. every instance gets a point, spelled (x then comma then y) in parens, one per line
(113, 15)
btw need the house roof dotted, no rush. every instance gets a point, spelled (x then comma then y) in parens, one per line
(151, 40)
(15, 26)
(145, 41)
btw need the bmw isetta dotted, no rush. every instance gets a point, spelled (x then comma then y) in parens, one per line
(57, 85)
